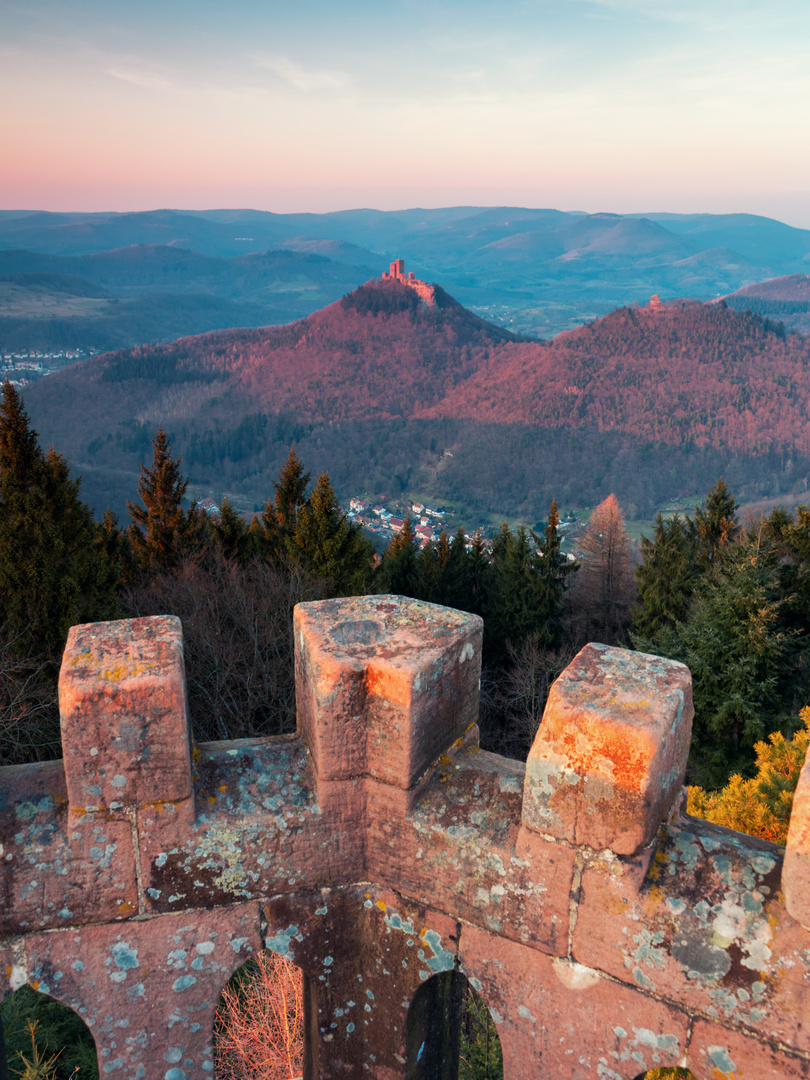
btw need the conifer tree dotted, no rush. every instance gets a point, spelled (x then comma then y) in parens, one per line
(53, 569)
(400, 570)
(715, 525)
(435, 562)
(666, 577)
(162, 533)
(741, 650)
(281, 511)
(330, 545)
(458, 588)
(509, 611)
(232, 535)
(114, 542)
(792, 539)
(476, 574)
(553, 571)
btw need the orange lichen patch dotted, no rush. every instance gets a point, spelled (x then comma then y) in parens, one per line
(657, 865)
(74, 661)
(629, 764)
(630, 705)
(381, 904)
(124, 671)
(656, 895)
(125, 906)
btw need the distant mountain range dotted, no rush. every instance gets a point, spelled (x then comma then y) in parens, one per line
(146, 292)
(394, 395)
(535, 271)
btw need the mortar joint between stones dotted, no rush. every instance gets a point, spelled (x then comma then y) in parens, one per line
(573, 899)
(131, 813)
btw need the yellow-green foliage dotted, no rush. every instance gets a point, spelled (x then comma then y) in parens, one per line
(760, 806)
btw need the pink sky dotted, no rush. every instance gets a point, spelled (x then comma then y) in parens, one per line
(623, 105)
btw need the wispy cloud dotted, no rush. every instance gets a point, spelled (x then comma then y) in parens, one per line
(302, 78)
(148, 79)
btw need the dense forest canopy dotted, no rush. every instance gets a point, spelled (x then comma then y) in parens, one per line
(390, 394)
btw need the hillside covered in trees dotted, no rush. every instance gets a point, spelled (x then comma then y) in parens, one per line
(388, 394)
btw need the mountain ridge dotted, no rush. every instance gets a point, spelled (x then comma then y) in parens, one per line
(381, 389)
(544, 269)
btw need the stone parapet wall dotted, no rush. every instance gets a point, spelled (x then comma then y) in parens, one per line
(608, 932)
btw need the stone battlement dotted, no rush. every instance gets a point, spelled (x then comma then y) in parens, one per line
(397, 273)
(380, 849)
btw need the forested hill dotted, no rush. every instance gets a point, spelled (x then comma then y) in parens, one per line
(687, 373)
(784, 298)
(391, 394)
(381, 352)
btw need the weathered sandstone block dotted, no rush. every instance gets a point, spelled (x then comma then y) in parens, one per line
(610, 756)
(384, 684)
(58, 868)
(122, 700)
(796, 867)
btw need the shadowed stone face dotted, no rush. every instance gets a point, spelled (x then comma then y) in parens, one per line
(384, 684)
(610, 756)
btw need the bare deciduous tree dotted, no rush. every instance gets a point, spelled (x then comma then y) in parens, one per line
(518, 697)
(237, 632)
(29, 707)
(259, 1032)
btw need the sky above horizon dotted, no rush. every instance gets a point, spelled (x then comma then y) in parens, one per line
(594, 105)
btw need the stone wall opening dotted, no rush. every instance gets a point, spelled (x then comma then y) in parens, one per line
(58, 1033)
(259, 1030)
(451, 1034)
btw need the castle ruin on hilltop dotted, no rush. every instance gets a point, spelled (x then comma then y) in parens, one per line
(397, 273)
(391, 860)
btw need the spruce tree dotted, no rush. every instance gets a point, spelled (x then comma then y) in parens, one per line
(519, 594)
(666, 577)
(458, 588)
(328, 544)
(401, 570)
(53, 569)
(232, 535)
(435, 561)
(281, 511)
(715, 525)
(162, 532)
(553, 571)
(737, 642)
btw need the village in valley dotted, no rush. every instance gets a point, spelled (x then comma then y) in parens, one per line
(24, 366)
(377, 520)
